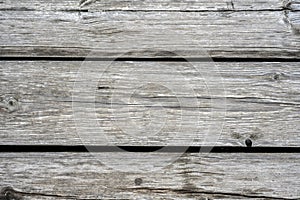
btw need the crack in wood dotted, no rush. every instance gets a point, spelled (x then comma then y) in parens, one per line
(287, 5)
(86, 2)
(8, 193)
(195, 191)
(255, 100)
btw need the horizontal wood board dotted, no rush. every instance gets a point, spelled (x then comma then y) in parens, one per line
(156, 5)
(200, 176)
(169, 103)
(242, 34)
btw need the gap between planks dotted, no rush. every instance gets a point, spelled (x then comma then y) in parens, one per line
(145, 59)
(146, 149)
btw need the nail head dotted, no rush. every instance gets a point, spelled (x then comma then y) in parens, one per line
(138, 181)
(248, 142)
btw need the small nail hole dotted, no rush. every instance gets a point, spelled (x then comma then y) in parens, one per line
(11, 103)
(138, 181)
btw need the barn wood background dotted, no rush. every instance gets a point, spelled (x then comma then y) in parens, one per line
(255, 44)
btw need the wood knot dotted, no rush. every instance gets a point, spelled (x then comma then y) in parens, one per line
(276, 76)
(8, 193)
(9, 104)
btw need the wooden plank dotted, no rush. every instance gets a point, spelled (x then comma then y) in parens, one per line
(191, 176)
(147, 34)
(91, 5)
(169, 103)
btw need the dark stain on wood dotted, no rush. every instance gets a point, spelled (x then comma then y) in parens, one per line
(188, 185)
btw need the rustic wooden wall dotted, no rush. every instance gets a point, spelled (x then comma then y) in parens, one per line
(248, 89)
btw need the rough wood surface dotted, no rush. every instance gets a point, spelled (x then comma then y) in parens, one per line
(293, 19)
(263, 34)
(293, 5)
(167, 5)
(192, 176)
(149, 103)
(156, 98)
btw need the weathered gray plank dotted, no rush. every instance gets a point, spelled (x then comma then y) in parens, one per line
(192, 176)
(262, 102)
(222, 34)
(198, 5)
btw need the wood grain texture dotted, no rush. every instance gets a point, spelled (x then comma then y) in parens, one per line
(168, 103)
(293, 5)
(293, 20)
(263, 34)
(167, 5)
(192, 176)
(149, 103)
